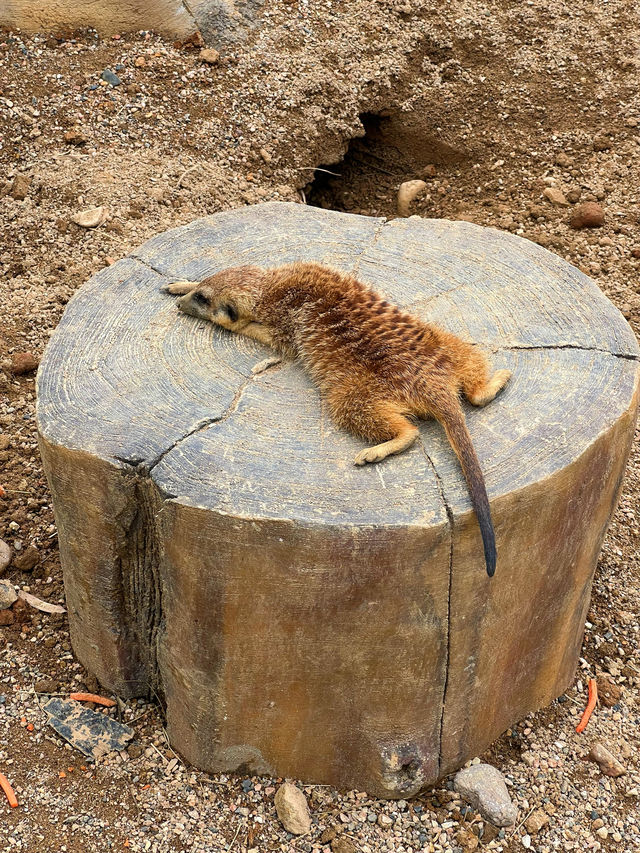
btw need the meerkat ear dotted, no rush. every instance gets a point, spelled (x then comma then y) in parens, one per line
(180, 288)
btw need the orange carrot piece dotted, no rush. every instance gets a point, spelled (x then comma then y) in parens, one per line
(3, 494)
(591, 704)
(6, 787)
(92, 697)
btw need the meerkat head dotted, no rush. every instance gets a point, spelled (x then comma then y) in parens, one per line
(227, 298)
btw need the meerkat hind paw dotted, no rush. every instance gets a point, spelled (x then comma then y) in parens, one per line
(180, 288)
(369, 454)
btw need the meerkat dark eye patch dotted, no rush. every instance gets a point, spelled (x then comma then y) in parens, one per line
(200, 299)
(231, 313)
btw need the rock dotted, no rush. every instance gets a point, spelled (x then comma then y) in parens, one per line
(91, 732)
(76, 137)
(6, 618)
(587, 215)
(536, 820)
(20, 187)
(408, 191)
(26, 561)
(608, 764)
(328, 835)
(484, 788)
(135, 751)
(5, 555)
(292, 809)
(608, 692)
(601, 142)
(340, 844)
(429, 171)
(91, 218)
(210, 56)
(384, 821)
(561, 159)
(573, 195)
(23, 362)
(5, 442)
(635, 253)
(467, 840)
(555, 196)
(8, 595)
(46, 685)
(111, 78)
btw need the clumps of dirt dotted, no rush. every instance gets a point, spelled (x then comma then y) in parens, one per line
(491, 107)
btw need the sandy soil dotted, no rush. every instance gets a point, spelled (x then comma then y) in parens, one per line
(491, 105)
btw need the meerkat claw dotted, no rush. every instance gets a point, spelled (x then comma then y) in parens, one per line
(180, 288)
(265, 364)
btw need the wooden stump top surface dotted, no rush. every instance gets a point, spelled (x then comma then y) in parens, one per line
(128, 378)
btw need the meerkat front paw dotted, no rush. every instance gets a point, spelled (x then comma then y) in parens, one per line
(180, 288)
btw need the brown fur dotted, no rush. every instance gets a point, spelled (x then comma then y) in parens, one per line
(378, 367)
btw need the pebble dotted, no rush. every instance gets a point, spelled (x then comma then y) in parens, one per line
(484, 788)
(23, 362)
(76, 137)
(20, 187)
(608, 691)
(210, 56)
(91, 218)
(601, 142)
(536, 820)
(608, 763)
(7, 595)
(555, 196)
(109, 77)
(573, 195)
(5, 555)
(46, 685)
(340, 844)
(27, 560)
(587, 215)
(292, 809)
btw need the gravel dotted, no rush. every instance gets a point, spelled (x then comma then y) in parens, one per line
(490, 107)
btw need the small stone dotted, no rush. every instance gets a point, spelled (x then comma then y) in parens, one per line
(23, 362)
(340, 844)
(617, 837)
(91, 218)
(265, 155)
(602, 832)
(384, 821)
(467, 840)
(561, 159)
(608, 692)
(109, 77)
(134, 751)
(526, 841)
(555, 196)
(292, 809)
(587, 215)
(536, 820)
(429, 171)
(26, 561)
(608, 763)
(5, 555)
(598, 822)
(6, 617)
(5, 442)
(76, 137)
(7, 595)
(635, 253)
(20, 187)
(573, 195)
(601, 142)
(210, 55)
(328, 835)
(46, 685)
(484, 788)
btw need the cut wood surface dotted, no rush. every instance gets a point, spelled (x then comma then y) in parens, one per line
(303, 617)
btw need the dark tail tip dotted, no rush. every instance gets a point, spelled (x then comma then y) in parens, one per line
(489, 544)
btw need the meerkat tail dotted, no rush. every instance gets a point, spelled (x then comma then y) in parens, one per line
(455, 427)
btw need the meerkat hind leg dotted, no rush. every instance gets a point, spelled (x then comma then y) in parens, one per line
(404, 434)
(181, 288)
(485, 393)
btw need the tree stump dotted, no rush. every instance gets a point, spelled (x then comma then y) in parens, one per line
(300, 616)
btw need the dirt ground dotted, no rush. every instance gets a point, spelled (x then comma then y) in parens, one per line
(490, 104)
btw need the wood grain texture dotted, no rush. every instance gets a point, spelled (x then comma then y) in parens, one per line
(301, 616)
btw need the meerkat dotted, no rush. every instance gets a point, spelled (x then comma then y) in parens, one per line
(378, 367)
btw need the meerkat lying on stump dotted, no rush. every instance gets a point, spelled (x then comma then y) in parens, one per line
(378, 367)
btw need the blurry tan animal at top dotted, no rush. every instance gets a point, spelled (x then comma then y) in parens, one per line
(377, 366)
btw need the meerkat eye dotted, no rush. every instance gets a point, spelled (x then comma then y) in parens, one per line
(200, 299)
(231, 312)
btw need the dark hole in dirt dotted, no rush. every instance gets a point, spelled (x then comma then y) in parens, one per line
(394, 148)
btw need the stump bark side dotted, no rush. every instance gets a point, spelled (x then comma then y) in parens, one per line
(302, 617)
